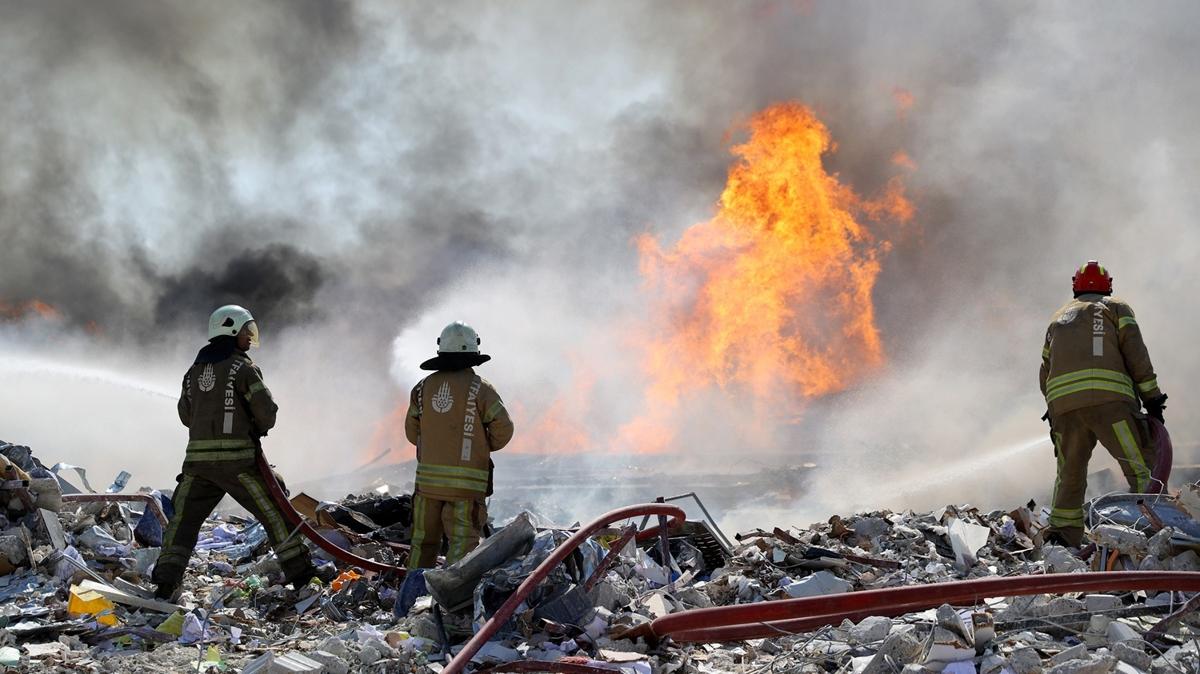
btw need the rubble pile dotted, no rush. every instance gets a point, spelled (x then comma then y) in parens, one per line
(75, 593)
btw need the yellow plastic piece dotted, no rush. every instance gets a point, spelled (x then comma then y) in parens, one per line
(89, 602)
(173, 625)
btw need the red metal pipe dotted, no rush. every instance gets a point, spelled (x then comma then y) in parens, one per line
(766, 619)
(560, 553)
(297, 521)
(150, 501)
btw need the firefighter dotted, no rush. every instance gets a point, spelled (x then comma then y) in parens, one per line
(456, 420)
(227, 409)
(1095, 376)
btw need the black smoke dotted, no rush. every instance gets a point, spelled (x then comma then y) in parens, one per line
(278, 284)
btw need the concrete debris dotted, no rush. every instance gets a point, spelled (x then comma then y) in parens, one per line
(871, 630)
(77, 594)
(1025, 660)
(1187, 560)
(1095, 603)
(899, 649)
(1075, 652)
(1127, 540)
(1132, 655)
(1061, 560)
(1086, 665)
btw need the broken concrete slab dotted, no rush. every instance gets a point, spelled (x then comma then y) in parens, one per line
(331, 664)
(1094, 603)
(1127, 540)
(1188, 560)
(898, 649)
(1025, 660)
(871, 630)
(1119, 632)
(1089, 665)
(1132, 654)
(1075, 652)
(1061, 560)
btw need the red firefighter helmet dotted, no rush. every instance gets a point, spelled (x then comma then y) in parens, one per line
(1092, 278)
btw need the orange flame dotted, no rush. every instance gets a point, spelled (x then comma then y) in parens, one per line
(904, 161)
(34, 307)
(773, 295)
(388, 436)
(904, 101)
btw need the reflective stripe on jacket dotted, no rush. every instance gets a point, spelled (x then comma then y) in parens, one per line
(456, 420)
(226, 407)
(1094, 354)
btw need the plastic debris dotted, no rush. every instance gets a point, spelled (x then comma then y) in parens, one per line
(343, 578)
(965, 540)
(86, 602)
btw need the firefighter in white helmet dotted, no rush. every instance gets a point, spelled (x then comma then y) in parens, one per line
(227, 408)
(456, 420)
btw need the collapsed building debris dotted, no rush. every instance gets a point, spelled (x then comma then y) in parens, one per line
(956, 590)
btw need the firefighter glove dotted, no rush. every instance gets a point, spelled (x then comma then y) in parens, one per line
(1155, 407)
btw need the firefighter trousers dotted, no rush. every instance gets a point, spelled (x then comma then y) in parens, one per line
(201, 487)
(1118, 427)
(460, 520)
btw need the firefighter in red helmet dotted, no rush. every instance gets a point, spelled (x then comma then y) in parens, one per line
(1096, 376)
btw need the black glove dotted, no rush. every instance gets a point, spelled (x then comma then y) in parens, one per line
(1155, 407)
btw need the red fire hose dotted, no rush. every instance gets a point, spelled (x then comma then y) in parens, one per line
(296, 521)
(1164, 456)
(771, 618)
(560, 553)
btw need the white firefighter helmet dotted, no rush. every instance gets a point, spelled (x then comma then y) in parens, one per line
(229, 320)
(458, 337)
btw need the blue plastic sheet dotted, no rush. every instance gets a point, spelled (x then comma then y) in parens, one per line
(149, 531)
(413, 589)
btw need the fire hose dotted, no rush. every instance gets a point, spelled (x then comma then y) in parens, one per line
(1164, 456)
(560, 553)
(298, 522)
(774, 618)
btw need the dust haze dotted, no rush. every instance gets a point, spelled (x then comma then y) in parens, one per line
(359, 174)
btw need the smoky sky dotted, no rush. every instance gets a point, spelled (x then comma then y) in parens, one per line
(337, 163)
